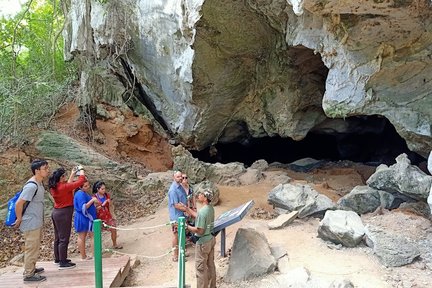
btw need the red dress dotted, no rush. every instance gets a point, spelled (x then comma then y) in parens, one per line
(103, 211)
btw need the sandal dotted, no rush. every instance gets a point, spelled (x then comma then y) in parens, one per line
(117, 247)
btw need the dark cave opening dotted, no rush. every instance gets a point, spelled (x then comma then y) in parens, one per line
(371, 140)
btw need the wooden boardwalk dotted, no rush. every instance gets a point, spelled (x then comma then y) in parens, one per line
(114, 269)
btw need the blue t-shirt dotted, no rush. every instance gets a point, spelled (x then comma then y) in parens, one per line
(176, 194)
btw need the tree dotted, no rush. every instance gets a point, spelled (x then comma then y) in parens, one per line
(35, 81)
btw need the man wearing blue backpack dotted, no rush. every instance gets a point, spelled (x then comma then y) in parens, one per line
(29, 211)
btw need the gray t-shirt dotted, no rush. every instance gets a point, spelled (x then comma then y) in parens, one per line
(33, 216)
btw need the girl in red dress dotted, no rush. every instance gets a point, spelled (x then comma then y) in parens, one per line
(103, 210)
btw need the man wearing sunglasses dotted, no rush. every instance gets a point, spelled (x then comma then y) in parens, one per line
(177, 202)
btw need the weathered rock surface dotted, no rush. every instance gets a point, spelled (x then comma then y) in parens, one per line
(364, 199)
(392, 250)
(401, 179)
(225, 174)
(342, 227)
(282, 220)
(251, 256)
(222, 71)
(301, 198)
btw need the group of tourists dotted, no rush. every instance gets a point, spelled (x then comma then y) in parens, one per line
(71, 194)
(75, 198)
(181, 203)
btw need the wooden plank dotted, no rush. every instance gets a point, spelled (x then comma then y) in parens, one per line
(121, 276)
(114, 269)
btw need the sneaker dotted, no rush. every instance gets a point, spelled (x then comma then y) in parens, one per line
(34, 278)
(58, 261)
(67, 265)
(39, 270)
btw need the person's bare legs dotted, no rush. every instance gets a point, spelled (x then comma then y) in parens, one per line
(81, 244)
(114, 237)
(90, 237)
(174, 245)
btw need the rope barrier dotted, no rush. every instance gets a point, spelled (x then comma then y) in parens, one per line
(143, 256)
(139, 228)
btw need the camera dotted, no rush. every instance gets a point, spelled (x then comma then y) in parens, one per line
(78, 170)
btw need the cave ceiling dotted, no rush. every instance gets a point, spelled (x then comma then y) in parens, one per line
(223, 70)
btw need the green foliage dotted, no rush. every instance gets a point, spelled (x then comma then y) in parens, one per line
(337, 110)
(35, 79)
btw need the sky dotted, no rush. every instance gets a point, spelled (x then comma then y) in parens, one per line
(10, 7)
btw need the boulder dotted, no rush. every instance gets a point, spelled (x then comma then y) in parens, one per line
(299, 197)
(364, 199)
(341, 227)
(403, 179)
(260, 165)
(251, 256)
(251, 176)
(392, 250)
(305, 165)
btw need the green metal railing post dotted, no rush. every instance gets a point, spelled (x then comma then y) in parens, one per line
(97, 225)
(181, 251)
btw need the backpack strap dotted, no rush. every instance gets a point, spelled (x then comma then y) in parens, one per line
(37, 188)
(26, 204)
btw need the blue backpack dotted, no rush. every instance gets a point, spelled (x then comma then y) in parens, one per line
(11, 215)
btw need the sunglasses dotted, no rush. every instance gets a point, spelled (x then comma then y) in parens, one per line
(185, 177)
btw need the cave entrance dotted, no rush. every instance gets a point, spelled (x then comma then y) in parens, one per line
(372, 140)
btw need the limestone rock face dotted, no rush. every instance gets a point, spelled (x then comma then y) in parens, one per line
(211, 71)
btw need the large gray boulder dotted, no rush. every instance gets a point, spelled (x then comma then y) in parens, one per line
(341, 227)
(251, 256)
(402, 178)
(364, 199)
(392, 250)
(251, 176)
(298, 197)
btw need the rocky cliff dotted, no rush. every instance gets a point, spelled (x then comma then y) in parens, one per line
(209, 71)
